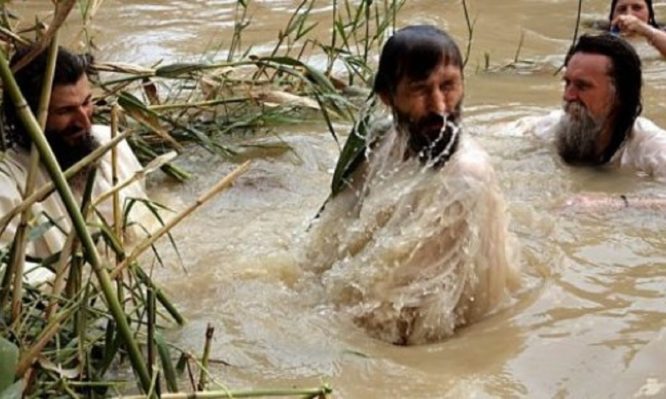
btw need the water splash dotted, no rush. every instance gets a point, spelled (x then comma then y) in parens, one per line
(412, 251)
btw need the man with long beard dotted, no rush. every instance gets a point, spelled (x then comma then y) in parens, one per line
(599, 125)
(413, 241)
(72, 136)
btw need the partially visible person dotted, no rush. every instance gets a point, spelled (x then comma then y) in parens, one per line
(635, 18)
(415, 245)
(72, 136)
(599, 125)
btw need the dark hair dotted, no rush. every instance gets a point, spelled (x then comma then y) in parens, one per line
(648, 3)
(625, 73)
(414, 51)
(68, 70)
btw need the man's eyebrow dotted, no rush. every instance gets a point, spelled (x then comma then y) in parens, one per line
(416, 83)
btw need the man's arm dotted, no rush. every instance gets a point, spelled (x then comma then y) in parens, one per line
(594, 202)
(629, 24)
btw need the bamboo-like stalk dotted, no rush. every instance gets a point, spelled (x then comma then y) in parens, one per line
(117, 210)
(62, 10)
(320, 392)
(49, 161)
(150, 323)
(18, 255)
(208, 103)
(222, 185)
(61, 270)
(160, 295)
(210, 330)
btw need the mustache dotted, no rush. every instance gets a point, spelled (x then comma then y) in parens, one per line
(434, 138)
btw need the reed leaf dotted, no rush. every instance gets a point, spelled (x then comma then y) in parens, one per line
(9, 355)
(167, 364)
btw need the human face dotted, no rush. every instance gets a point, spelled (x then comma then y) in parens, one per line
(637, 8)
(70, 112)
(586, 81)
(440, 93)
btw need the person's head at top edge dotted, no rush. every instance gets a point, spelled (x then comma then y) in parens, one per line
(420, 78)
(641, 9)
(69, 121)
(602, 98)
(631, 17)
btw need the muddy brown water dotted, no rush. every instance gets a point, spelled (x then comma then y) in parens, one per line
(591, 320)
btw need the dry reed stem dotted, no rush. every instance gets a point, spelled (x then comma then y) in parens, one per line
(63, 9)
(210, 330)
(222, 185)
(61, 270)
(304, 393)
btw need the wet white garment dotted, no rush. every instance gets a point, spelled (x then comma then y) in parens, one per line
(644, 151)
(14, 166)
(412, 251)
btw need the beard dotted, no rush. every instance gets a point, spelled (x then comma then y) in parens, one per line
(577, 134)
(68, 153)
(432, 138)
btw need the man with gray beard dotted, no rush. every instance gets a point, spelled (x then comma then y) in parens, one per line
(600, 124)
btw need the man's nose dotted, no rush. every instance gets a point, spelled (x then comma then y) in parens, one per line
(437, 103)
(84, 117)
(570, 94)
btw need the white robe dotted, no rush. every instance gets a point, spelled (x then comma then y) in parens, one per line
(411, 251)
(644, 151)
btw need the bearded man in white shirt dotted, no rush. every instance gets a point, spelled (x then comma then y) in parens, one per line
(72, 136)
(600, 124)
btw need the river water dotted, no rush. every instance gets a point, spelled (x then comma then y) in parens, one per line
(591, 319)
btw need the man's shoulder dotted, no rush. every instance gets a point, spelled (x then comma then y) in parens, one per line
(101, 132)
(14, 163)
(539, 124)
(13, 172)
(645, 128)
(471, 160)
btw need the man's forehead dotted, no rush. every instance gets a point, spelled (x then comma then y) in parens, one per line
(588, 64)
(71, 93)
(443, 70)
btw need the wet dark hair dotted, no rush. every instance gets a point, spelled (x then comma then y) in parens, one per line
(414, 52)
(648, 3)
(68, 70)
(625, 73)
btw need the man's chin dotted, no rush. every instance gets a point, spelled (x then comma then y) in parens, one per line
(77, 138)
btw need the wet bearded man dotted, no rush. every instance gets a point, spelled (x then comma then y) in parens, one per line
(415, 244)
(590, 102)
(600, 123)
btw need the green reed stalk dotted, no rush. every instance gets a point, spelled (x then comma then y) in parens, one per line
(210, 330)
(49, 161)
(332, 54)
(470, 32)
(18, 255)
(239, 25)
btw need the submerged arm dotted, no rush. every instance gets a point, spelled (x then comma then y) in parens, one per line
(600, 202)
